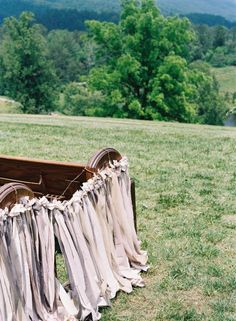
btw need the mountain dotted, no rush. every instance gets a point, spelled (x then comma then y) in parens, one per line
(55, 17)
(225, 8)
(209, 19)
(95, 5)
(71, 14)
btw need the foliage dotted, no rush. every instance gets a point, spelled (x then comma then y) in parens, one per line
(72, 16)
(216, 45)
(72, 56)
(224, 8)
(26, 73)
(55, 18)
(141, 64)
(209, 19)
(212, 108)
(221, 58)
(172, 90)
(71, 19)
(78, 100)
(138, 68)
(81, 5)
(144, 72)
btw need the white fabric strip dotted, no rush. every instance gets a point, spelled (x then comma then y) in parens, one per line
(96, 233)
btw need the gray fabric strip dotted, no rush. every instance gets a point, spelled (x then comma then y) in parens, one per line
(95, 230)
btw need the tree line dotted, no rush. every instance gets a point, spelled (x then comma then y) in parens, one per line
(215, 45)
(146, 66)
(210, 20)
(55, 18)
(73, 19)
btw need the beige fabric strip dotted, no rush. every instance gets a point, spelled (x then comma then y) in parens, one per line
(97, 237)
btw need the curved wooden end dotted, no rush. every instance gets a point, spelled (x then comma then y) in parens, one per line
(12, 193)
(102, 157)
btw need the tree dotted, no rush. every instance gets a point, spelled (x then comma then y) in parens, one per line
(27, 74)
(211, 107)
(69, 53)
(143, 70)
(216, 45)
(204, 41)
(78, 100)
(172, 90)
(220, 36)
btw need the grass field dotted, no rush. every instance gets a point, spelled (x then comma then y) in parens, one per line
(227, 78)
(8, 106)
(186, 203)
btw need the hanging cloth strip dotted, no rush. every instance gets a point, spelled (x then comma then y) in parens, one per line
(96, 233)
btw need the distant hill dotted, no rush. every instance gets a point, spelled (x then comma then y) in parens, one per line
(96, 5)
(71, 14)
(225, 8)
(54, 17)
(209, 19)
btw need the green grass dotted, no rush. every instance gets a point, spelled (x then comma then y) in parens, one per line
(8, 106)
(186, 188)
(227, 78)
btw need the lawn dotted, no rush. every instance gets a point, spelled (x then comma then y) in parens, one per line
(227, 78)
(186, 189)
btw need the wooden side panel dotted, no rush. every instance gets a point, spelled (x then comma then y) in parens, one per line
(43, 177)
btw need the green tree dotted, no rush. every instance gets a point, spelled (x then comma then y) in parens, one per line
(216, 45)
(173, 90)
(211, 107)
(203, 42)
(71, 54)
(78, 100)
(27, 74)
(143, 70)
(220, 36)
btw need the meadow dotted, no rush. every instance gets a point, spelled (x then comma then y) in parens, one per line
(8, 106)
(226, 77)
(186, 187)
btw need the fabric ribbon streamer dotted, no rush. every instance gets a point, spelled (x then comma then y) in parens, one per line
(97, 238)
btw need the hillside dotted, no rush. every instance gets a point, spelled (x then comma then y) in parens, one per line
(227, 78)
(55, 17)
(99, 5)
(185, 186)
(226, 8)
(71, 14)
